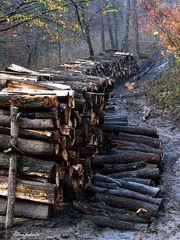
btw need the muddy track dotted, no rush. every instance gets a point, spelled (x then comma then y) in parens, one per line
(167, 225)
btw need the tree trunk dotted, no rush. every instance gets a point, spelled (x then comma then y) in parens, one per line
(89, 42)
(135, 28)
(125, 42)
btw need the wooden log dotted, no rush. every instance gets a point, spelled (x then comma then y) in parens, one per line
(138, 180)
(29, 166)
(116, 168)
(64, 96)
(67, 77)
(47, 136)
(130, 146)
(121, 192)
(115, 151)
(117, 213)
(27, 209)
(147, 172)
(132, 130)
(28, 101)
(109, 124)
(11, 192)
(152, 142)
(43, 86)
(18, 69)
(104, 221)
(30, 190)
(7, 76)
(127, 203)
(115, 118)
(80, 105)
(114, 185)
(31, 147)
(134, 186)
(125, 157)
(34, 114)
(37, 124)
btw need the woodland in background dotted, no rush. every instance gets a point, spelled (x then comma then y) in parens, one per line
(46, 33)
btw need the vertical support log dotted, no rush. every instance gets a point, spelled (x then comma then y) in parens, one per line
(12, 168)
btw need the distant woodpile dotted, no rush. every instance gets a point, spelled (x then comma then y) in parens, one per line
(108, 64)
(66, 144)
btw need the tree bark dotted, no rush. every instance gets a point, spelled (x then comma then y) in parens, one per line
(152, 142)
(47, 136)
(29, 166)
(134, 186)
(127, 203)
(38, 124)
(28, 101)
(125, 157)
(34, 114)
(11, 191)
(30, 190)
(31, 147)
(132, 130)
(149, 173)
(117, 168)
(124, 145)
(125, 41)
(121, 192)
(115, 151)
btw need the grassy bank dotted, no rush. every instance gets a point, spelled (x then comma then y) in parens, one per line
(166, 89)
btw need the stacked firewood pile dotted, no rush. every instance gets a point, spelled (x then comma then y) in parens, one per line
(127, 175)
(38, 147)
(111, 64)
(67, 143)
(58, 133)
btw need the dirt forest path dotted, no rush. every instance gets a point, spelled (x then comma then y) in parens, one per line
(167, 225)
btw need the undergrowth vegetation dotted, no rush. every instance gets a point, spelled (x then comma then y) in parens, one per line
(166, 89)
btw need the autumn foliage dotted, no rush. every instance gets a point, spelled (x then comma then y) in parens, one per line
(165, 24)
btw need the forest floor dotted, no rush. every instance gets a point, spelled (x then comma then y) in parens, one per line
(167, 225)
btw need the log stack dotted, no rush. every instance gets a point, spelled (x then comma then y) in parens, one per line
(65, 134)
(116, 65)
(59, 132)
(127, 177)
(38, 147)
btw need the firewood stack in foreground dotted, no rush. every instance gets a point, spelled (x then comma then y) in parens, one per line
(59, 130)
